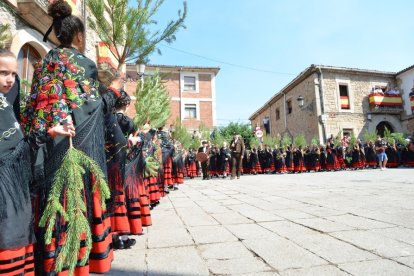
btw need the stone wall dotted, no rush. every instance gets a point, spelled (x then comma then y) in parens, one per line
(359, 86)
(302, 120)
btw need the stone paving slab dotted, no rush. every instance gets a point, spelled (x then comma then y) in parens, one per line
(283, 254)
(224, 251)
(359, 222)
(173, 261)
(397, 233)
(164, 238)
(380, 245)
(250, 231)
(377, 268)
(292, 214)
(323, 225)
(328, 270)
(237, 266)
(408, 261)
(331, 249)
(211, 234)
(231, 218)
(288, 229)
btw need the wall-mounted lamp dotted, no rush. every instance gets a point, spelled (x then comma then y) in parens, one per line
(301, 101)
(369, 117)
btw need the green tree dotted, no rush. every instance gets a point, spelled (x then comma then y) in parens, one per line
(286, 140)
(244, 130)
(131, 28)
(153, 102)
(181, 134)
(300, 141)
(218, 139)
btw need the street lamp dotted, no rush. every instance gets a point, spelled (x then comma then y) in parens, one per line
(141, 71)
(301, 101)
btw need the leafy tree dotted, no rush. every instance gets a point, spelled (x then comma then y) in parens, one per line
(244, 130)
(315, 141)
(153, 102)
(254, 143)
(286, 140)
(218, 139)
(271, 141)
(300, 141)
(130, 33)
(181, 134)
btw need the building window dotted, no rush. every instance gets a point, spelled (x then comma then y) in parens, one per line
(277, 114)
(26, 58)
(289, 106)
(190, 111)
(344, 94)
(189, 83)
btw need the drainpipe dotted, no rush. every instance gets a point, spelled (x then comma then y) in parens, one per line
(284, 109)
(181, 95)
(323, 121)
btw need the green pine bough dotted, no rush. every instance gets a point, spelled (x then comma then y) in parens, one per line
(68, 180)
(151, 166)
(153, 102)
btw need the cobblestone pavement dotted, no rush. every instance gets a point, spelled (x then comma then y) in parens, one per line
(331, 223)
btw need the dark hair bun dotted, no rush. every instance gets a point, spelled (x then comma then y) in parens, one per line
(59, 8)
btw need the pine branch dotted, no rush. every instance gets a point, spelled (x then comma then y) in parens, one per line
(68, 180)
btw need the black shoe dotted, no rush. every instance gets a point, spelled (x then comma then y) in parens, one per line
(128, 243)
(175, 188)
(119, 244)
(166, 191)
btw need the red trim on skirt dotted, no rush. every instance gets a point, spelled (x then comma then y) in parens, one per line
(18, 261)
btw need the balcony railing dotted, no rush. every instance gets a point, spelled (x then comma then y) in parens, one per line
(385, 103)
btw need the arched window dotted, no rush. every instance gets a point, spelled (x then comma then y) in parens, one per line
(26, 58)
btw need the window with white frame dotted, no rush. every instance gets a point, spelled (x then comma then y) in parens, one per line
(190, 111)
(190, 83)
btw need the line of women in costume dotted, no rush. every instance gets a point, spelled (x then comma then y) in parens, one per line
(67, 106)
(320, 158)
(291, 159)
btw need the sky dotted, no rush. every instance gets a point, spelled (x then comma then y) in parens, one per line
(261, 45)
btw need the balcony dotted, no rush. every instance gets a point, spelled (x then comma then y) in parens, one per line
(385, 103)
(412, 102)
(35, 13)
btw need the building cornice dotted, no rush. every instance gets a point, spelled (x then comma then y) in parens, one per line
(175, 68)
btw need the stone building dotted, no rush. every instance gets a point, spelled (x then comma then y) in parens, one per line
(192, 90)
(405, 80)
(29, 21)
(325, 100)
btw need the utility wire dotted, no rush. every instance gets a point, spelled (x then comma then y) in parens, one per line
(228, 63)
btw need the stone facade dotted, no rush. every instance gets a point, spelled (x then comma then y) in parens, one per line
(405, 80)
(203, 97)
(27, 29)
(324, 112)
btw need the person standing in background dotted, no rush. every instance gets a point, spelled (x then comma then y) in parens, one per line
(237, 151)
